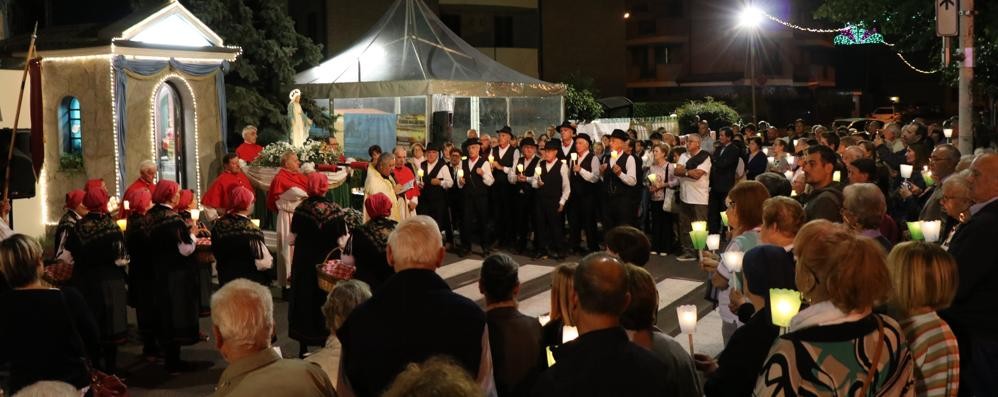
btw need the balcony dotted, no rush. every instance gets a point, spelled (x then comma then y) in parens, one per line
(660, 30)
(661, 76)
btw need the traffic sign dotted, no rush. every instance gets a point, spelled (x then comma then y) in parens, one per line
(946, 18)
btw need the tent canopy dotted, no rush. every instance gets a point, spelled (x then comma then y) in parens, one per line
(411, 52)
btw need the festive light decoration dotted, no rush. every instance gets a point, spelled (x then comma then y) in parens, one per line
(858, 35)
(750, 12)
(152, 125)
(922, 71)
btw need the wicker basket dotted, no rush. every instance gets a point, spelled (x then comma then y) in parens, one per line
(331, 271)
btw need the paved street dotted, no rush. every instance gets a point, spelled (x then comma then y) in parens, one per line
(678, 283)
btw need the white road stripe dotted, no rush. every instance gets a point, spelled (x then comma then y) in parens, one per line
(707, 337)
(669, 290)
(527, 273)
(459, 267)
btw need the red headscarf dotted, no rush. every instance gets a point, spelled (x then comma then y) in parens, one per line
(378, 206)
(165, 190)
(318, 184)
(74, 198)
(240, 199)
(95, 198)
(186, 197)
(140, 200)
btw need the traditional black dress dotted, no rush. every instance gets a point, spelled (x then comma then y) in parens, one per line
(237, 244)
(203, 270)
(66, 227)
(96, 244)
(370, 242)
(142, 280)
(175, 281)
(316, 228)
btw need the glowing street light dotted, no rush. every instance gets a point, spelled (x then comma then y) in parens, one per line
(750, 17)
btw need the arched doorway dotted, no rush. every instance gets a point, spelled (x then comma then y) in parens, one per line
(168, 122)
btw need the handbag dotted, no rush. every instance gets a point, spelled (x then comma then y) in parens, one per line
(669, 203)
(58, 273)
(876, 356)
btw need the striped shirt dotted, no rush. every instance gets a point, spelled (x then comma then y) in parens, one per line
(934, 350)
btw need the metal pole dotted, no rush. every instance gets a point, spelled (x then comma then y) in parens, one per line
(752, 74)
(966, 96)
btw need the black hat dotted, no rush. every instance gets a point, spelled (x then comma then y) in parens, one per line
(567, 124)
(528, 141)
(505, 130)
(620, 134)
(472, 141)
(433, 146)
(553, 145)
(585, 137)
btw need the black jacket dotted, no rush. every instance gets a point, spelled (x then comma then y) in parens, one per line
(605, 363)
(724, 164)
(412, 317)
(973, 247)
(518, 355)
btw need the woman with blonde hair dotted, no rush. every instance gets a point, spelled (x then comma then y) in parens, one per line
(561, 300)
(837, 345)
(925, 279)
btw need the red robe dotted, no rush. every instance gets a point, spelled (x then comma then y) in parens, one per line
(139, 184)
(402, 176)
(283, 181)
(248, 151)
(217, 195)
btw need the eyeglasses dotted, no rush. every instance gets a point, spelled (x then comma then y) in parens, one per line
(728, 203)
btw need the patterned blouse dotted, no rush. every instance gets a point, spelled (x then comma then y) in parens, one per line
(934, 350)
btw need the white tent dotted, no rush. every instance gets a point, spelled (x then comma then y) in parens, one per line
(411, 65)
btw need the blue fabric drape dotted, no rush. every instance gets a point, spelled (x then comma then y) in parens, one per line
(151, 67)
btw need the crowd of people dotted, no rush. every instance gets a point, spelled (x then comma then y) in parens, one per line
(822, 212)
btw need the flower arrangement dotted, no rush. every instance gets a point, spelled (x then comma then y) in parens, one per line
(311, 152)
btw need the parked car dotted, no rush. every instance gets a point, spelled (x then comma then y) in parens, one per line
(885, 114)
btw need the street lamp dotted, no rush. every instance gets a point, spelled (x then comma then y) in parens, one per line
(749, 19)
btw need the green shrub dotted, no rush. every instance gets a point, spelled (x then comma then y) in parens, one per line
(581, 105)
(71, 162)
(717, 114)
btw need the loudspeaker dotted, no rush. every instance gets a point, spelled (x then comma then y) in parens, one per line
(22, 173)
(440, 126)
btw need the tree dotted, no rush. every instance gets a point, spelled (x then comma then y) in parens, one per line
(717, 114)
(910, 25)
(580, 98)
(257, 86)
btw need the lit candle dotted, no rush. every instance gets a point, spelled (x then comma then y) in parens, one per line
(464, 158)
(765, 151)
(793, 193)
(421, 173)
(519, 168)
(699, 226)
(125, 205)
(256, 222)
(195, 214)
(569, 333)
(544, 319)
(733, 260)
(790, 160)
(460, 173)
(699, 239)
(713, 242)
(948, 133)
(687, 321)
(789, 175)
(492, 158)
(652, 177)
(614, 154)
(837, 176)
(724, 218)
(785, 304)
(915, 229)
(122, 224)
(927, 177)
(574, 156)
(537, 170)
(112, 204)
(563, 161)
(930, 230)
(906, 170)
(795, 144)
(771, 159)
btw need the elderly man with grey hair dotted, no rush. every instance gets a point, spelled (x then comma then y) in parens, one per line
(863, 210)
(433, 319)
(242, 313)
(942, 163)
(249, 150)
(146, 180)
(381, 181)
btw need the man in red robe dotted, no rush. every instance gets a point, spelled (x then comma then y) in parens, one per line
(217, 196)
(249, 150)
(288, 189)
(146, 180)
(404, 175)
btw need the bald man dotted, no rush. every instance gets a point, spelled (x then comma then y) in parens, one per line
(971, 315)
(602, 361)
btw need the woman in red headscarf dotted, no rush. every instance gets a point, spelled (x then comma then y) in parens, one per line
(238, 244)
(97, 250)
(171, 244)
(315, 230)
(75, 210)
(141, 274)
(370, 242)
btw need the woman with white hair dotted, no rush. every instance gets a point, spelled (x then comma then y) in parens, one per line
(342, 299)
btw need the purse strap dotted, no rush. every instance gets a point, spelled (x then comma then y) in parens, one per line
(876, 356)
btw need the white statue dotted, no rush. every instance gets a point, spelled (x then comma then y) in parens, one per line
(298, 122)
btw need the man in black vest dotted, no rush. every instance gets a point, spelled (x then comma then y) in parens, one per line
(502, 157)
(455, 204)
(567, 147)
(434, 180)
(582, 204)
(474, 178)
(523, 193)
(620, 179)
(553, 188)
